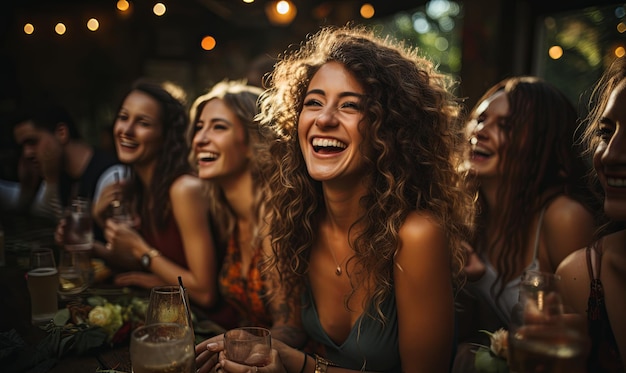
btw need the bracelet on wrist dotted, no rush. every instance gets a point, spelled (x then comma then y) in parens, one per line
(321, 364)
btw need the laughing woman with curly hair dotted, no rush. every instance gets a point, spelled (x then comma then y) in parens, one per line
(366, 205)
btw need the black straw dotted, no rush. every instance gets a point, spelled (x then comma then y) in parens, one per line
(182, 294)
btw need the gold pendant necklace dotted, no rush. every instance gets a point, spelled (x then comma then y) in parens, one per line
(338, 270)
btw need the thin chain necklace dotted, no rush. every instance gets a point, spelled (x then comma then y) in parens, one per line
(338, 270)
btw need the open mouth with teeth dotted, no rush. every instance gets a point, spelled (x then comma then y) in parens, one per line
(328, 145)
(207, 157)
(127, 144)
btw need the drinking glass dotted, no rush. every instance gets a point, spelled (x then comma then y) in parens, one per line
(74, 268)
(166, 305)
(162, 348)
(541, 340)
(248, 345)
(78, 234)
(42, 280)
(120, 213)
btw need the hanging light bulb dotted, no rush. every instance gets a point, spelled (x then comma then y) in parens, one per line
(280, 12)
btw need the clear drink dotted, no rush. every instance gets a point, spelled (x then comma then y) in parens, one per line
(185, 365)
(161, 348)
(78, 234)
(42, 285)
(546, 348)
(248, 345)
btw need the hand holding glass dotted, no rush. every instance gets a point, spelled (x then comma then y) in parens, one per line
(544, 342)
(162, 348)
(42, 279)
(248, 345)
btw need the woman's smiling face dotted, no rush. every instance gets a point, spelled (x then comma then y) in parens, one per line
(328, 125)
(138, 129)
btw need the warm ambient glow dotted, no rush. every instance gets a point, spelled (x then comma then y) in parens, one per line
(621, 27)
(93, 24)
(60, 28)
(281, 12)
(367, 11)
(208, 43)
(29, 28)
(248, 1)
(123, 5)
(555, 52)
(159, 9)
(620, 52)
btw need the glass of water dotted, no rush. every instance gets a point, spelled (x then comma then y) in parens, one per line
(78, 234)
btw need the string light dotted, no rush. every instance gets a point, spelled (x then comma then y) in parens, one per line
(280, 13)
(60, 28)
(159, 9)
(93, 24)
(29, 29)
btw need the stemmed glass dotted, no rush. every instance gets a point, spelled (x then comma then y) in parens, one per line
(540, 339)
(248, 345)
(162, 348)
(166, 305)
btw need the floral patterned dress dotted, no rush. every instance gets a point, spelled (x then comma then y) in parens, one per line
(245, 294)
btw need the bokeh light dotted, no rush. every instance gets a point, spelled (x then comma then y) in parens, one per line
(29, 29)
(621, 27)
(60, 28)
(367, 11)
(620, 52)
(123, 5)
(208, 43)
(555, 52)
(93, 24)
(159, 9)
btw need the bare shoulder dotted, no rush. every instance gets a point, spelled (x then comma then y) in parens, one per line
(421, 235)
(419, 226)
(186, 186)
(575, 280)
(564, 210)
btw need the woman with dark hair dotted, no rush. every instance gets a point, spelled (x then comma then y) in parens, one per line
(594, 278)
(533, 200)
(366, 205)
(172, 237)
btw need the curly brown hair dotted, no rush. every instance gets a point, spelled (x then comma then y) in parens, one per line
(412, 138)
(539, 162)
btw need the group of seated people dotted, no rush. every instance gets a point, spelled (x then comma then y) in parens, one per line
(352, 208)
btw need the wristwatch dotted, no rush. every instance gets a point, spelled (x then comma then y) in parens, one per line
(146, 258)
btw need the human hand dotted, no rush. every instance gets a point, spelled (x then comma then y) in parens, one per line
(207, 353)
(474, 267)
(123, 237)
(275, 365)
(110, 193)
(139, 279)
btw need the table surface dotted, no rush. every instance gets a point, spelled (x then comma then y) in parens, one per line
(21, 235)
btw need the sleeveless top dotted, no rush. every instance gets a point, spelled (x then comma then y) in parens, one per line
(371, 345)
(246, 295)
(167, 240)
(483, 288)
(604, 355)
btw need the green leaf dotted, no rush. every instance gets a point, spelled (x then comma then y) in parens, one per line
(61, 317)
(486, 362)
